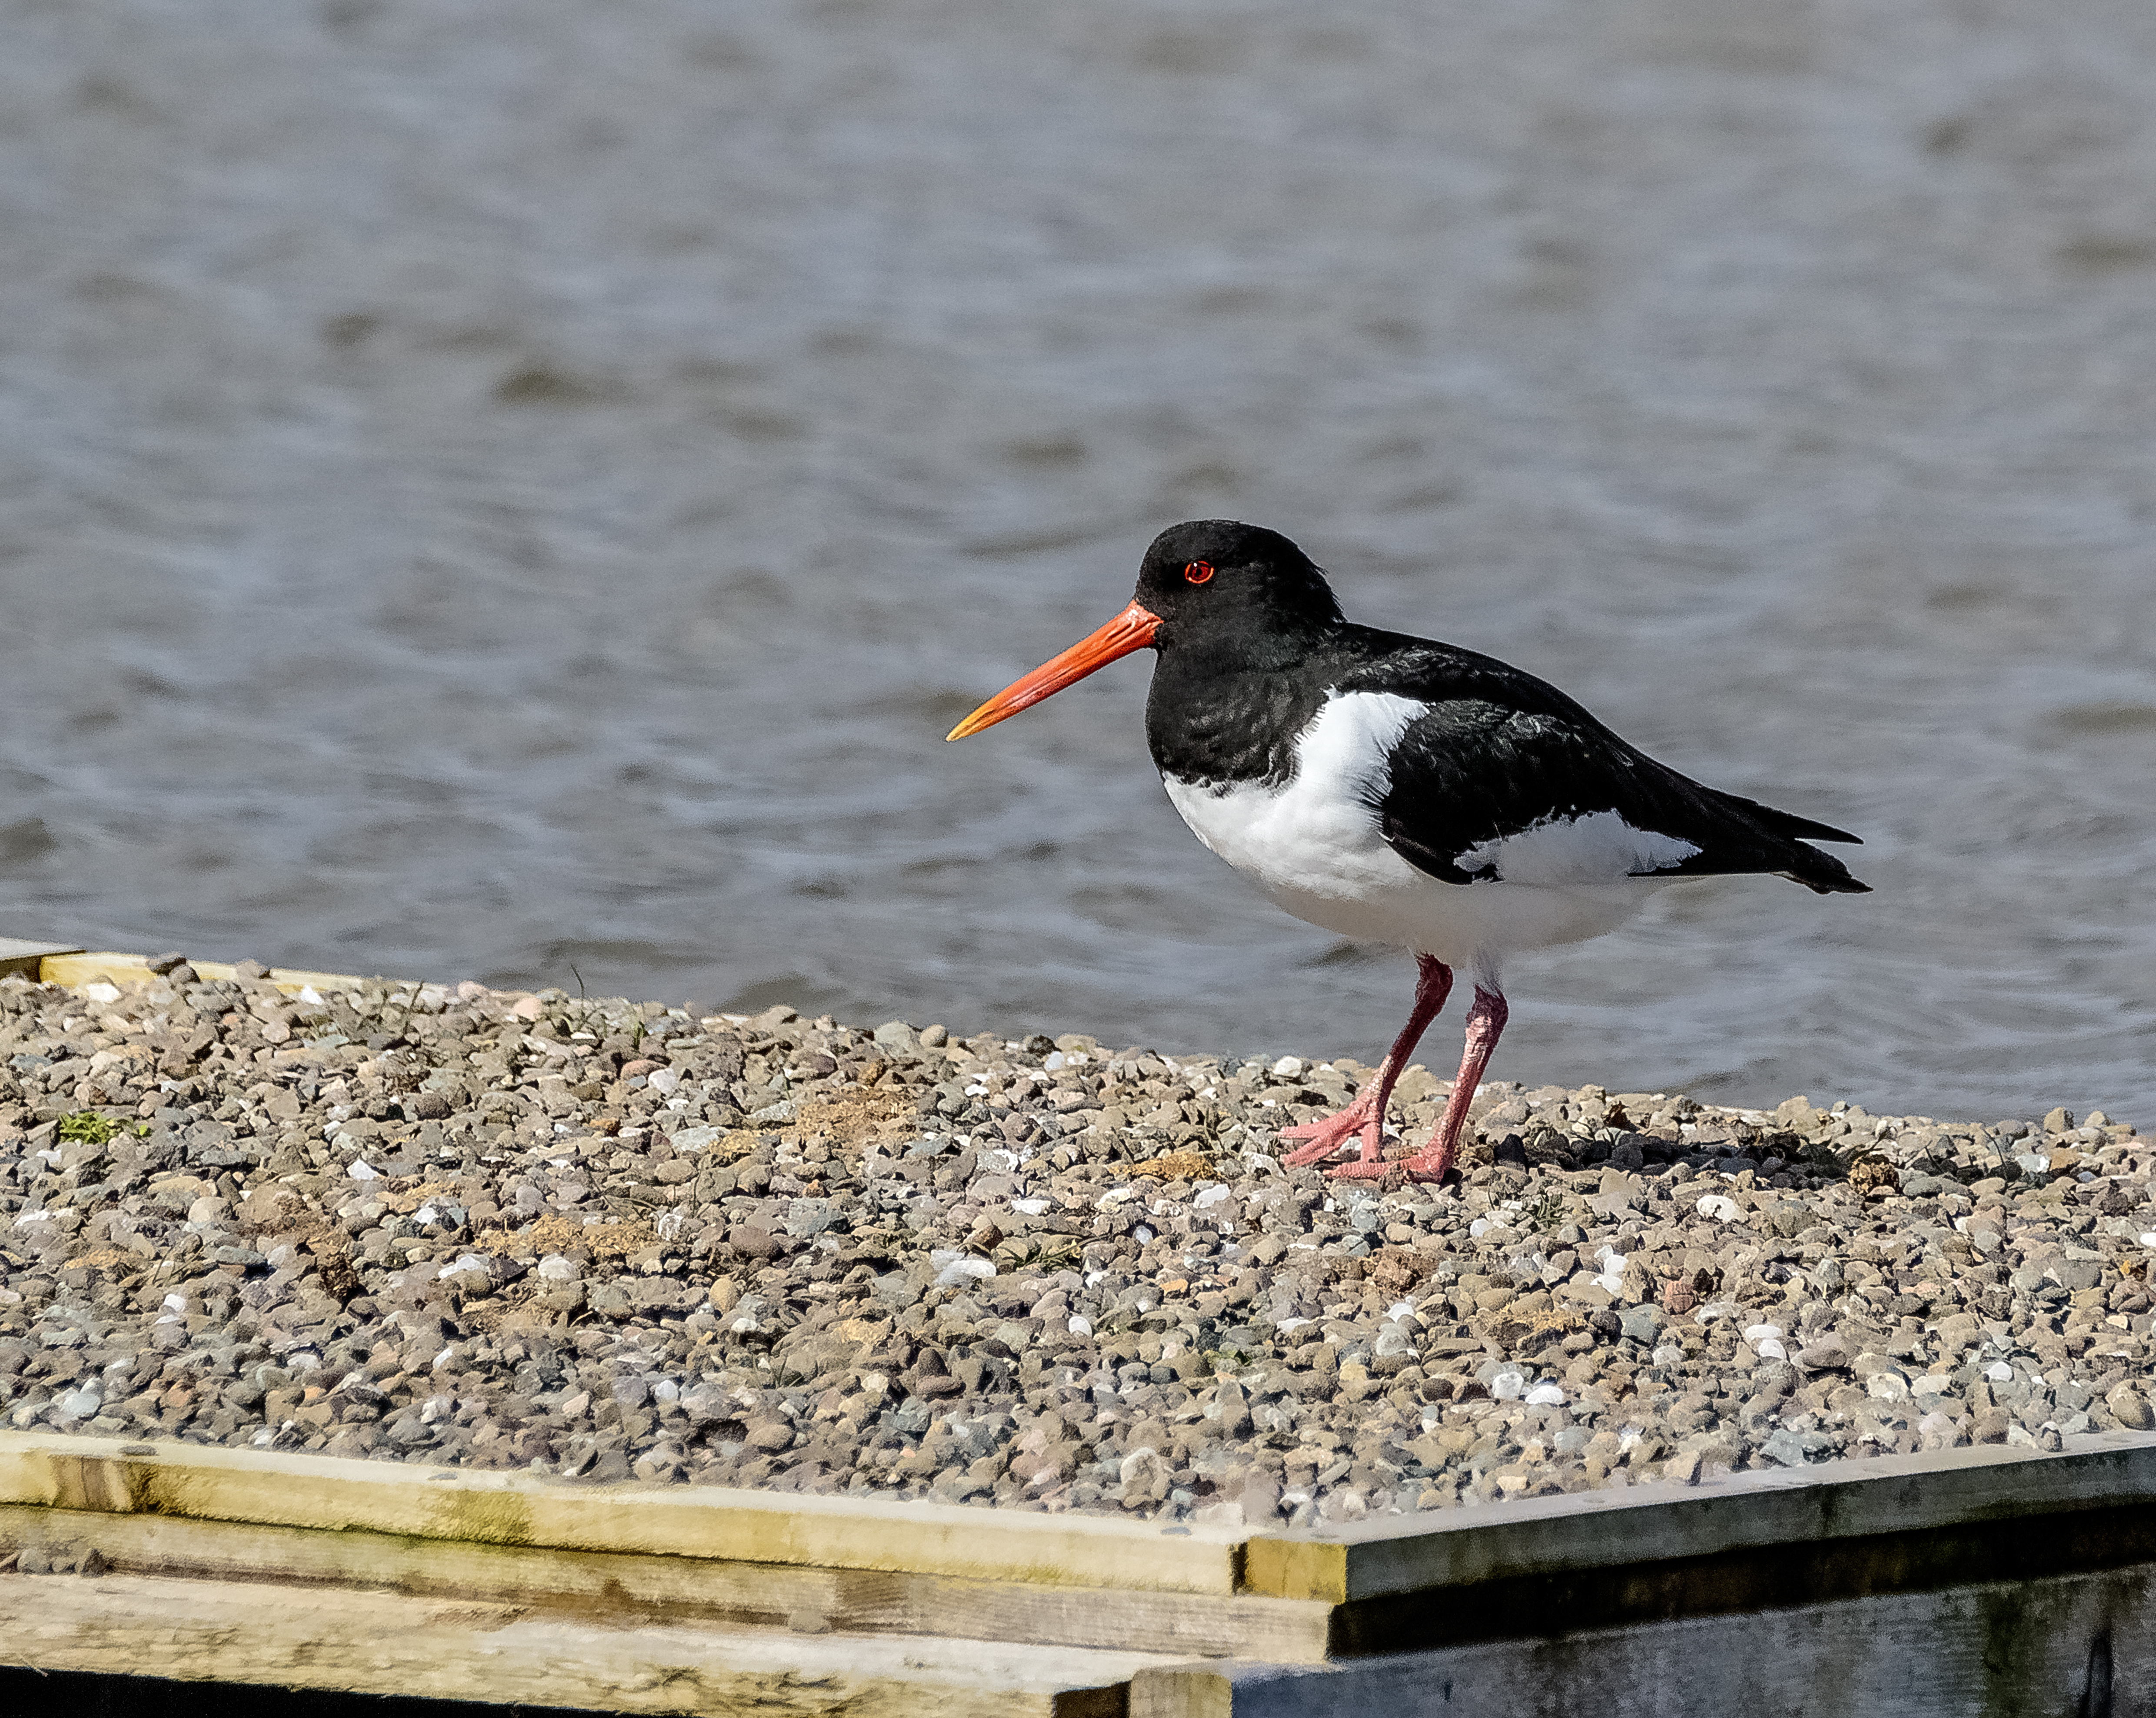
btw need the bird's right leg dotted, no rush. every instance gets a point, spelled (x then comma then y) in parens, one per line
(1485, 1024)
(1366, 1115)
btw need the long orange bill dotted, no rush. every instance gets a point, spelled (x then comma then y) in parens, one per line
(1131, 630)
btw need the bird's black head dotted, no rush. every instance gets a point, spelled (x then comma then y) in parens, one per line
(1218, 595)
(1215, 582)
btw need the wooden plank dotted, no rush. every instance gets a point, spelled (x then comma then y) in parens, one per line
(18, 956)
(209, 1482)
(594, 1586)
(74, 969)
(374, 1642)
(1750, 1512)
(2079, 1644)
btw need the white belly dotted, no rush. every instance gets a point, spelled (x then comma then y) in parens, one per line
(1316, 846)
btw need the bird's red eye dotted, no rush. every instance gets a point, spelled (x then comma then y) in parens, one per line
(1198, 572)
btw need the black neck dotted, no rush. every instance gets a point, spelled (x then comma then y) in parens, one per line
(1226, 712)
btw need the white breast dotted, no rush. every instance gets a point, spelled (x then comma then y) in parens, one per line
(1316, 846)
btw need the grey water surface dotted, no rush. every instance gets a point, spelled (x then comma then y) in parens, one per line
(519, 491)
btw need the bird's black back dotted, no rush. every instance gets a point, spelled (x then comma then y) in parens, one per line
(1497, 752)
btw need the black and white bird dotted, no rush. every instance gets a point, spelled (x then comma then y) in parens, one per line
(1399, 790)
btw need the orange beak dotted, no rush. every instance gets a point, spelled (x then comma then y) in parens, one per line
(1131, 630)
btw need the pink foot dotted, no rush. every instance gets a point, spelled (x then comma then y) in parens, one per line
(1327, 1134)
(1427, 1166)
(1486, 1021)
(1366, 1115)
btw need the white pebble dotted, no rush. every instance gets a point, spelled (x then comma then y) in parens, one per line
(1508, 1385)
(1210, 1196)
(1999, 1372)
(1771, 1348)
(1288, 1067)
(1760, 1333)
(1080, 1325)
(964, 1271)
(361, 1170)
(1719, 1206)
(1545, 1395)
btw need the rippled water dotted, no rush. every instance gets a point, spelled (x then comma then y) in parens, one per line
(487, 490)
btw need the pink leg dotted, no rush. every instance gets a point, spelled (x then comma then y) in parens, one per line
(1366, 1115)
(1486, 1023)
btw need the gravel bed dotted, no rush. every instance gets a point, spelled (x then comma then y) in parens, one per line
(607, 1241)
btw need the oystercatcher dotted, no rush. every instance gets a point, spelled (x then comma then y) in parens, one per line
(1400, 790)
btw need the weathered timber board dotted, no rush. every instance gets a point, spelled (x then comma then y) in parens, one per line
(73, 967)
(596, 1586)
(205, 1482)
(1839, 1502)
(378, 1643)
(28, 958)
(2074, 1647)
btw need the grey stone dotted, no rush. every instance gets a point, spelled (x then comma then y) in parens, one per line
(2130, 1408)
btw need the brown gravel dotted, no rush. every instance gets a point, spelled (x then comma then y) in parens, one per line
(603, 1240)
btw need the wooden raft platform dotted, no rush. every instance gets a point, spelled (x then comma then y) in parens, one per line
(1973, 1580)
(1989, 1580)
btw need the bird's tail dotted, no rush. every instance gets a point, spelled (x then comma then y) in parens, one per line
(1821, 873)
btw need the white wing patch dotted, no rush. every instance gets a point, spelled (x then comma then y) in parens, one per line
(1561, 853)
(1347, 750)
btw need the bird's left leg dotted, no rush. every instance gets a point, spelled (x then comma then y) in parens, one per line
(1486, 1024)
(1366, 1115)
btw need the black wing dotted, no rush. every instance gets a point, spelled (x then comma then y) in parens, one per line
(1500, 753)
